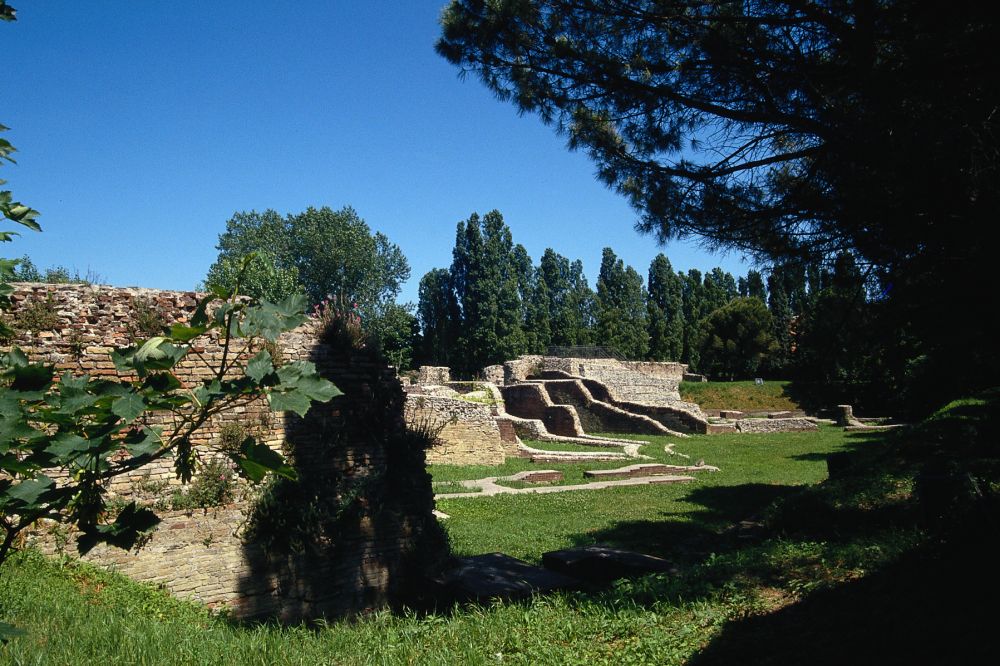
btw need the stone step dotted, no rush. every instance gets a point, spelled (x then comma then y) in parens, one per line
(603, 564)
(721, 428)
(536, 476)
(499, 576)
(648, 469)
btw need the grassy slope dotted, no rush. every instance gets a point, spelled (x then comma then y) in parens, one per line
(745, 396)
(836, 573)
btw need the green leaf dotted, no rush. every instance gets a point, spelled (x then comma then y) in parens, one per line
(161, 382)
(73, 395)
(129, 407)
(317, 388)
(200, 317)
(66, 446)
(257, 459)
(30, 492)
(15, 358)
(290, 401)
(182, 333)
(143, 443)
(11, 464)
(31, 377)
(260, 366)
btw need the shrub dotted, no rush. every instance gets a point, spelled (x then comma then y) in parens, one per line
(147, 319)
(214, 486)
(37, 316)
(340, 323)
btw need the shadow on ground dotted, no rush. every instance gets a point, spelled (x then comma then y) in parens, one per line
(934, 606)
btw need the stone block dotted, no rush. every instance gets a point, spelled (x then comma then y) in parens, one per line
(537, 476)
(602, 564)
(499, 576)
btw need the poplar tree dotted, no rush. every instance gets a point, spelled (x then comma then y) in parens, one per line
(666, 311)
(621, 308)
(440, 318)
(693, 295)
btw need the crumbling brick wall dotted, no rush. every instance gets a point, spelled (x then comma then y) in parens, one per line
(466, 433)
(355, 451)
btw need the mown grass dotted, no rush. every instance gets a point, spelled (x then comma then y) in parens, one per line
(851, 570)
(744, 396)
(754, 470)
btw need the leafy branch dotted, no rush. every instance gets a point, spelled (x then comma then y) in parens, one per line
(62, 438)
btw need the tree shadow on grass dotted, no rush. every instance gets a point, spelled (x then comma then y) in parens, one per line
(933, 606)
(687, 538)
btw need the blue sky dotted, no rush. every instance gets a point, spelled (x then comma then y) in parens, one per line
(142, 127)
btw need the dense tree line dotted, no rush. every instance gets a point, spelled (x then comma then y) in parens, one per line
(789, 320)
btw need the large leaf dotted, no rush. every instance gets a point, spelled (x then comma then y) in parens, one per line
(143, 443)
(73, 394)
(129, 407)
(289, 401)
(65, 446)
(162, 382)
(31, 377)
(269, 320)
(256, 459)
(260, 366)
(317, 388)
(29, 494)
(182, 333)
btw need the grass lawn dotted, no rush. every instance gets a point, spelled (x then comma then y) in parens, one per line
(744, 396)
(834, 572)
(755, 469)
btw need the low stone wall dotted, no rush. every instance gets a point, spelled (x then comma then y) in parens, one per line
(775, 425)
(642, 382)
(466, 433)
(494, 374)
(353, 453)
(677, 415)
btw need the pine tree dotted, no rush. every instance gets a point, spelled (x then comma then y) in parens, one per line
(487, 285)
(755, 286)
(781, 314)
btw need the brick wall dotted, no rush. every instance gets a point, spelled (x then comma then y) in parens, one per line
(354, 453)
(466, 432)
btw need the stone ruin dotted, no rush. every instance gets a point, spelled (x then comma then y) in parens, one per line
(354, 453)
(547, 398)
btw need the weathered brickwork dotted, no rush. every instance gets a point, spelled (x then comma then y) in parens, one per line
(466, 433)
(355, 450)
